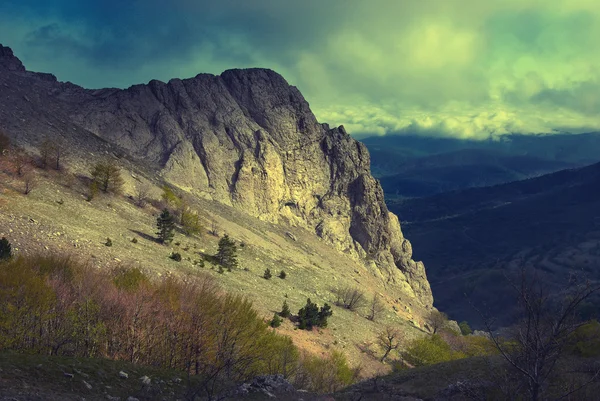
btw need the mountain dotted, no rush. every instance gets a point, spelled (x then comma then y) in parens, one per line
(465, 168)
(245, 139)
(415, 166)
(471, 238)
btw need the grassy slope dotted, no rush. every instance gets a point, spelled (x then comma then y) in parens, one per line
(55, 217)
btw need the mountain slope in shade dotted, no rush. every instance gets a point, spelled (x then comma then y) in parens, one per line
(468, 237)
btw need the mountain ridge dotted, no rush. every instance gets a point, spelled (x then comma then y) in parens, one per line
(244, 138)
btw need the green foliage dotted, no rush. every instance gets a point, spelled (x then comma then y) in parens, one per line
(129, 279)
(190, 222)
(429, 350)
(282, 275)
(325, 375)
(166, 226)
(92, 191)
(276, 321)
(285, 310)
(465, 329)
(107, 177)
(5, 249)
(176, 256)
(585, 341)
(170, 198)
(267, 274)
(226, 253)
(310, 315)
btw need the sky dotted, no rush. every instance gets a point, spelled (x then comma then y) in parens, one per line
(460, 68)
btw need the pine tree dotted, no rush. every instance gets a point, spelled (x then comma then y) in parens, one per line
(226, 254)
(5, 249)
(308, 316)
(276, 321)
(165, 224)
(285, 310)
(267, 275)
(108, 177)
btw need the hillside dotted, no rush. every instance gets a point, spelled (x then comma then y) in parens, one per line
(245, 152)
(468, 237)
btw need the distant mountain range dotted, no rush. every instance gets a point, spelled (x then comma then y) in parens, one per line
(469, 238)
(416, 166)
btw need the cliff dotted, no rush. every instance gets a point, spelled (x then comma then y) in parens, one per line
(245, 138)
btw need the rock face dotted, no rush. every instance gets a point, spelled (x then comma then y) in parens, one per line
(248, 139)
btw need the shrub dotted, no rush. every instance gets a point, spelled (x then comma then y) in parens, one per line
(170, 198)
(5, 249)
(376, 308)
(429, 350)
(108, 242)
(282, 275)
(226, 253)
(267, 274)
(129, 279)
(325, 375)
(190, 222)
(176, 256)
(166, 226)
(349, 297)
(134, 240)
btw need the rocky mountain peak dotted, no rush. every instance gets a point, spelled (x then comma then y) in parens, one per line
(246, 139)
(9, 61)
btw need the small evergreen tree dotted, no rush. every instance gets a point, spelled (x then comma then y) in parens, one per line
(5, 249)
(165, 224)
(226, 254)
(311, 315)
(267, 275)
(285, 310)
(282, 275)
(276, 321)
(465, 329)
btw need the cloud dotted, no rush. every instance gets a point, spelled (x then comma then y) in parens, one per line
(463, 68)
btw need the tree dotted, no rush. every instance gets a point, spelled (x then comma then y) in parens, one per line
(546, 323)
(349, 297)
(141, 194)
(20, 161)
(285, 310)
(388, 340)
(276, 321)
(165, 224)
(29, 181)
(47, 149)
(465, 329)
(5, 249)
(376, 308)
(226, 253)
(267, 274)
(4, 143)
(282, 275)
(437, 320)
(108, 177)
(310, 315)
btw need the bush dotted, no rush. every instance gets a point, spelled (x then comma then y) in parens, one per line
(267, 274)
(429, 350)
(349, 298)
(108, 242)
(282, 275)
(129, 279)
(190, 222)
(5, 249)
(176, 256)
(325, 375)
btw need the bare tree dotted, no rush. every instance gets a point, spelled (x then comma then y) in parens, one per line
(388, 340)
(536, 343)
(376, 308)
(142, 193)
(349, 297)
(46, 153)
(214, 228)
(20, 160)
(29, 181)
